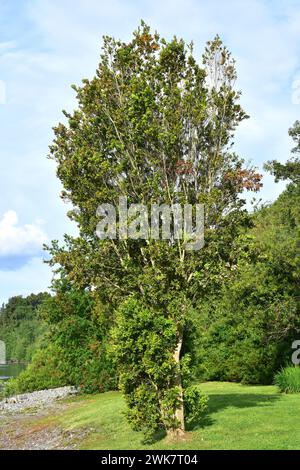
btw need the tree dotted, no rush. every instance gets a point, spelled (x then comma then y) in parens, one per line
(248, 327)
(153, 126)
(74, 349)
(291, 169)
(21, 326)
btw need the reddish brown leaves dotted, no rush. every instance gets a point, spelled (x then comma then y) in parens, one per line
(245, 179)
(184, 168)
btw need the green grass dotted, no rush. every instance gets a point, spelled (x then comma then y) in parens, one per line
(239, 417)
(288, 380)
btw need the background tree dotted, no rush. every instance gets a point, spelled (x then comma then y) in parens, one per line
(291, 169)
(245, 331)
(74, 347)
(21, 326)
(156, 127)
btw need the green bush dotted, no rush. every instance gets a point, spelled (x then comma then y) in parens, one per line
(87, 366)
(44, 372)
(195, 403)
(288, 379)
(144, 342)
(244, 330)
(74, 351)
(245, 334)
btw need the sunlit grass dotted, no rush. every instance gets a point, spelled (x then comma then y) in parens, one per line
(239, 417)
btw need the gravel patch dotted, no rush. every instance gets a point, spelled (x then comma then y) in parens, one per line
(37, 399)
(30, 434)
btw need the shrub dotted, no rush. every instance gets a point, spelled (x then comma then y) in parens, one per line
(144, 342)
(89, 368)
(195, 403)
(237, 342)
(288, 379)
(44, 372)
(75, 349)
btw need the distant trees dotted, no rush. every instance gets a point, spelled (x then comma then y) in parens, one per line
(21, 326)
(291, 169)
(245, 333)
(74, 347)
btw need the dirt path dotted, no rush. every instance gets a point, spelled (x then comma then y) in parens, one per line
(35, 430)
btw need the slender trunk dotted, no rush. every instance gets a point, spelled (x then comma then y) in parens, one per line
(179, 412)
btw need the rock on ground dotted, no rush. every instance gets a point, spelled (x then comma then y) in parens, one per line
(37, 399)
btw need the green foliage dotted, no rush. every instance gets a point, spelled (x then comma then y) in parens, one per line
(285, 171)
(79, 326)
(74, 350)
(157, 127)
(195, 403)
(245, 330)
(288, 380)
(44, 372)
(291, 169)
(21, 327)
(244, 344)
(144, 343)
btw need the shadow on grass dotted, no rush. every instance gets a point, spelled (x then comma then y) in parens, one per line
(219, 402)
(157, 436)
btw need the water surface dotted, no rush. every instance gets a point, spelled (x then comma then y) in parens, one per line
(10, 370)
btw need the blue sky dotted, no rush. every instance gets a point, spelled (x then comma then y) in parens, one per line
(46, 45)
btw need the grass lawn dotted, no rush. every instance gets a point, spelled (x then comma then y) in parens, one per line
(239, 417)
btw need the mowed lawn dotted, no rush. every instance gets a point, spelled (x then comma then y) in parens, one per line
(239, 417)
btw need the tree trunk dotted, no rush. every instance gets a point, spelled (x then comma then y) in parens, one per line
(179, 412)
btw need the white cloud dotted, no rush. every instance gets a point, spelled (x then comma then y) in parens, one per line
(20, 240)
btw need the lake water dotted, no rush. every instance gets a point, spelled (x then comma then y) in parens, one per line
(10, 370)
